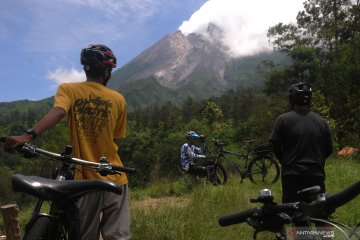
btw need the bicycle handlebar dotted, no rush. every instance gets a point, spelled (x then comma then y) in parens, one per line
(217, 142)
(345, 196)
(329, 204)
(30, 151)
(240, 217)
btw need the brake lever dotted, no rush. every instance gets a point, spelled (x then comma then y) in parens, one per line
(105, 169)
(115, 172)
(27, 150)
(269, 224)
(256, 225)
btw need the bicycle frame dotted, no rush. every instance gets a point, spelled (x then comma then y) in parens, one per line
(61, 191)
(258, 162)
(243, 172)
(66, 172)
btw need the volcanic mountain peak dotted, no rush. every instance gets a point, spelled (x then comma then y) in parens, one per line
(176, 59)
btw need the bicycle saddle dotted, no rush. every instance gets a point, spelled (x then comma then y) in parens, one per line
(309, 194)
(54, 190)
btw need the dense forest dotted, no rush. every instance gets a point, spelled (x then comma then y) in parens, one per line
(324, 47)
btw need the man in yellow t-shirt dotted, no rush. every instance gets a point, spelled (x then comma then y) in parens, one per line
(96, 116)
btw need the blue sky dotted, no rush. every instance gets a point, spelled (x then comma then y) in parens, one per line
(41, 40)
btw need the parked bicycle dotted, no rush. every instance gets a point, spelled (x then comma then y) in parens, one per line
(61, 222)
(259, 166)
(312, 211)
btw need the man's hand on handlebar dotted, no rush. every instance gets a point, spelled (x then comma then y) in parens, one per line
(30, 151)
(12, 142)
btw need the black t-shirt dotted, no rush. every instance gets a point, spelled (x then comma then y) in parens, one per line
(305, 141)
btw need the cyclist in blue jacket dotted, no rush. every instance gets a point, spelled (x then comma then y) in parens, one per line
(190, 153)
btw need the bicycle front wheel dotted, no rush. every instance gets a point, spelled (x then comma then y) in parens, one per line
(39, 229)
(319, 229)
(264, 170)
(218, 175)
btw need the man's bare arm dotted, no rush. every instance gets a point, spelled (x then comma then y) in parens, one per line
(48, 121)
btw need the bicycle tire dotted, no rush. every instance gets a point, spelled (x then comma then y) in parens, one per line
(263, 170)
(218, 176)
(39, 230)
(333, 230)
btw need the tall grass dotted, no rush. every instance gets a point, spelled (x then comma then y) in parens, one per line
(198, 219)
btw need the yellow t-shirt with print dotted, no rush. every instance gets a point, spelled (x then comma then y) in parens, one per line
(96, 115)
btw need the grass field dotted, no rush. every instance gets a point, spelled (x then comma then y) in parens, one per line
(176, 209)
(191, 214)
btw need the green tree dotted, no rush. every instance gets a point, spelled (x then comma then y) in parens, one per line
(212, 115)
(189, 109)
(320, 106)
(324, 47)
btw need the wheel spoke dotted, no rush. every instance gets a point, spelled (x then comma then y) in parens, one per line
(263, 170)
(218, 176)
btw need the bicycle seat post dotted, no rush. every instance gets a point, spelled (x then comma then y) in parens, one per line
(249, 143)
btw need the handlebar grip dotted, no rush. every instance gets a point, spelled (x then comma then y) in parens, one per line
(261, 212)
(124, 169)
(18, 148)
(339, 199)
(217, 142)
(236, 218)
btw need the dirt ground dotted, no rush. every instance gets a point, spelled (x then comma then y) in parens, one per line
(150, 203)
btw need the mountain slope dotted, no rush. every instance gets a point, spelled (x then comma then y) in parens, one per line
(146, 92)
(23, 107)
(179, 66)
(174, 60)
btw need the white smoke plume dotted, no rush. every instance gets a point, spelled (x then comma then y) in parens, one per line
(244, 22)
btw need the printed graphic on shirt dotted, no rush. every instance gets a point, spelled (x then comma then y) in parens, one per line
(91, 116)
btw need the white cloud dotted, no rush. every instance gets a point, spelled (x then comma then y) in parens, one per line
(120, 8)
(244, 22)
(62, 75)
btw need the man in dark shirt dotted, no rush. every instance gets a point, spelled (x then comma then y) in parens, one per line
(301, 141)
